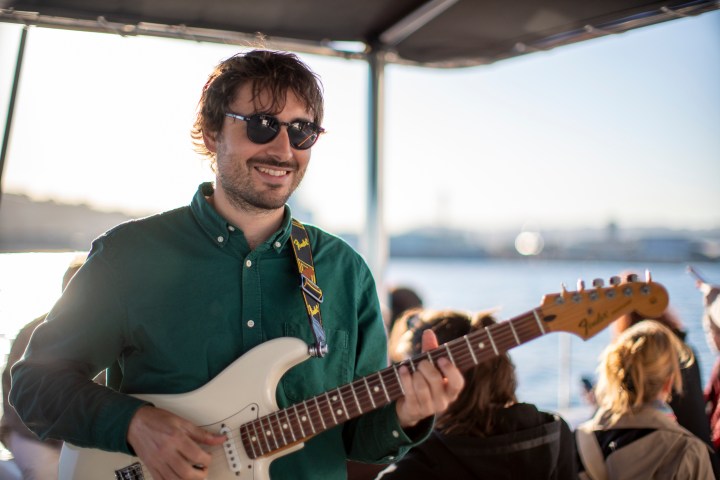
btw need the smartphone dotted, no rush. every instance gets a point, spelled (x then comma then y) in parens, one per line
(696, 274)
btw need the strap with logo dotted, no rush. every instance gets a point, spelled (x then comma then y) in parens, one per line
(312, 294)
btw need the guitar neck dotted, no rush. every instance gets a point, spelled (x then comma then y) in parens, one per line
(294, 424)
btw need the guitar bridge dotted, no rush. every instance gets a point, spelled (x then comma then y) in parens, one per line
(131, 472)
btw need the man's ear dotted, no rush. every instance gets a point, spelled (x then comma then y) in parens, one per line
(210, 141)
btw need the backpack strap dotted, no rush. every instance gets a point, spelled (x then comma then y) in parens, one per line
(312, 294)
(590, 452)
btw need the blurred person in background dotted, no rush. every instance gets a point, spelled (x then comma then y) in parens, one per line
(688, 405)
(634, 433)
(37, 459)
(486, 432)
(711, 324)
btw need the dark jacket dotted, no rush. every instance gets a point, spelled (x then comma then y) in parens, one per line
(527, 444)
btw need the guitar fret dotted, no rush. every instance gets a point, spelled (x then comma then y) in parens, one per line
(449, 354)
(357, 402)
(297, 415)
(539, 322)
(273, 433)
(248, 436)
(383, 387)
(372, 400)
(331, 408)
(281, 427)
(512, 327)
(342, 402)
(256, 437)
(320, 414)
(430, 359)
(492, 342)
(292, 430)
(264, 432)
(472, 353)
(397, 375)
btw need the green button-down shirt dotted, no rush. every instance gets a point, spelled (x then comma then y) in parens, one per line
(173, 299)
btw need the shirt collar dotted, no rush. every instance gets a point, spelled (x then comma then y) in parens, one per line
(218, 229)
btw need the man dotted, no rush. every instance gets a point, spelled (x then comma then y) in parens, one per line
(177, 297)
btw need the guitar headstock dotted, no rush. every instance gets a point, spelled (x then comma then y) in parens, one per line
(586, 312)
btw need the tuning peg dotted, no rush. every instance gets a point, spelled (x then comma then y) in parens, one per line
(615, 280)
(648, 276)
(563, 288)
(580, 285)
(598, 282)
(631, 277)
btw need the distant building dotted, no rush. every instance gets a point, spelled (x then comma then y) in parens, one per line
(27, 225)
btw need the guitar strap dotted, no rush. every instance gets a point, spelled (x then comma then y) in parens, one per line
(312, 295)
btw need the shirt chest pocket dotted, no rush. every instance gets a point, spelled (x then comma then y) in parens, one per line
(318, 375)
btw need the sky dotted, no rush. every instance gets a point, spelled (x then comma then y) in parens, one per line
(624, 128)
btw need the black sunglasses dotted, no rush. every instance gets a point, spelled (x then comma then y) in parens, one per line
(263, 128)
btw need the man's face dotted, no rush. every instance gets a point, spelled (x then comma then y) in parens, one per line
(257, 177)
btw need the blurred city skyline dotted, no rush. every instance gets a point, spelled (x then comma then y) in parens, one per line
(620, 129)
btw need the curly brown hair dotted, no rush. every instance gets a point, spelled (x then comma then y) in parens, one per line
(267, 71)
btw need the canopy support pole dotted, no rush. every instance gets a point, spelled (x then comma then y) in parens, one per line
(374, 242)
(11, 103)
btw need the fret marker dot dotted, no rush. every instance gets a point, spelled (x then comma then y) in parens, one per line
(339, 412)
(376, 389)
(481, 345)
(268, 433)
(334, 398)
(285, 426)
(303, 418)
(253, 439)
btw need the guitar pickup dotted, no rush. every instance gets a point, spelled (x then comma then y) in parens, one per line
(231, 452)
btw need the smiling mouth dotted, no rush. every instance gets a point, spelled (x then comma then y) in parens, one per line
(273, 172)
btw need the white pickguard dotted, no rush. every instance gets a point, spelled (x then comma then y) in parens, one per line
(242, 392)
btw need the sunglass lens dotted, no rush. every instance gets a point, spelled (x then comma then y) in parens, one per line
(262, 128)
(303, 135)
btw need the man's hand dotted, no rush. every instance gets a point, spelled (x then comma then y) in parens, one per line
(169, 446)
(428, 391)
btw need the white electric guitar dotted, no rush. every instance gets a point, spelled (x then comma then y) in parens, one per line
(258, 432)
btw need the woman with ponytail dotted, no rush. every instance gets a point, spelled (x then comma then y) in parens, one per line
(634, 434)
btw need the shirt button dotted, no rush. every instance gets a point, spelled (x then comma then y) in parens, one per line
(277, 244)
(250, 323)
(231, 228)
(395, 434)
(220, 239)
(248, 263)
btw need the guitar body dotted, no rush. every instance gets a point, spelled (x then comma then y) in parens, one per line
(244, 391)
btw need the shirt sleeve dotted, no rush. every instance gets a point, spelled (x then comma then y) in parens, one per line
(52, 388)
